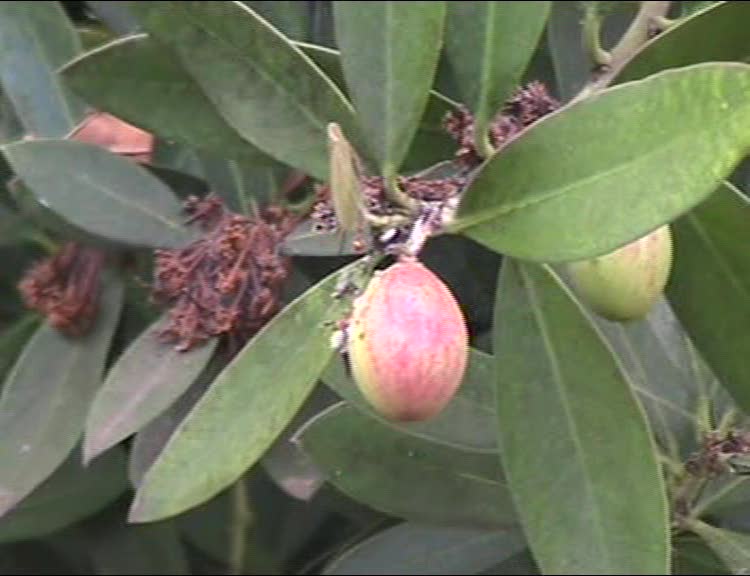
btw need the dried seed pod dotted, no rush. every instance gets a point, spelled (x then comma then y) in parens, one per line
(625, 284)
(408, 343)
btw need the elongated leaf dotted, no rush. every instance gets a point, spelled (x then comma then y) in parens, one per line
(35, 39)
(575, 443)
(692, 556)
(290, 17)
(306, 241)
(12, 340)
(724, 21)
(46, 397)
(389, 54)
(710, 285)
(69, 495)
(115, 15)
(468, 422)
(415, 549)
(149, 376)
(152, 549)
(102, 193)
(144, 83)
(265, 87)
(732, 547)
(489, 45)
(567, 192)
(12, 227)
(406, 476)
(246, 408)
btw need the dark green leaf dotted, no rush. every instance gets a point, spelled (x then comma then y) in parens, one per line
(100, 192)
(264, 86)
(246, 408)
(732, 547)
(13, 338)
(575, 443)
(724, 22)
(69, 495)
(710, 285)
(306, 241)
(573, 184)
(468, 422)
(389, 54)
(692, 556)
(35, 39)
(142, 82)
(416, 549)
(489, 45)
(115, 15)
(290, 16)
(124, 549)
(46, 397)
(148, 377)
(406, 476)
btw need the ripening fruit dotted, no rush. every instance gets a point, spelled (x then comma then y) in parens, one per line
(408, 343)
(625, 284)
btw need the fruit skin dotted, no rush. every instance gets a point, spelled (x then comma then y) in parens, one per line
(408, 343)
(623, 285)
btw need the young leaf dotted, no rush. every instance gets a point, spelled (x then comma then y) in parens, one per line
(100, 192)
(12, 340)
(246, 408)
(405, 476)
(144, 83)
(148, 377)
(489, 45)
(710, 285)
(69, 495)
(264, 86)
(732, 547)
(576, 447)
(389, 52)
(46, 396)
(573, 184)
(34, 41)
(726, 22)
(416, 549)
(467, 423)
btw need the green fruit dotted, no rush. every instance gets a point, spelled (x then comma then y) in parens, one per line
(625, 284)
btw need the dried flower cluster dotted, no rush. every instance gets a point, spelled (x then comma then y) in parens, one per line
(718, 453)
(525, 107)
(65, 288)
(228, 281)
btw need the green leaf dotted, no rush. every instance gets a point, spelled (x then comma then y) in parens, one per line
(115, 15)
(245, 409)
(389, 52)
(13, 338)
(71, 494)
(415, 549)
(46, 397)
(692, 556)
(144, 83)
(725, 22)
(262, 85)
(710, 285)
(732, 547)
(406, 476)
(100, 192)
(290, 17)
(572, 186)
(578, 454)
(152, 549)
(468, 422)
(148, 377)
(306, 241)
(431, 143)
(489, 45)
(35, 39)
(12, 227)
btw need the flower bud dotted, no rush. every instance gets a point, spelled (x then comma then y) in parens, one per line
(408, 343)
(625, 284)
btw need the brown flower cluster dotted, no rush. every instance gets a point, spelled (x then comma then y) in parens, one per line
(227, 282)
(525, 107)
(718, 452)
(65, 288)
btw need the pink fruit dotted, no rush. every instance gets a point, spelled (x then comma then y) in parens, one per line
(408, 343)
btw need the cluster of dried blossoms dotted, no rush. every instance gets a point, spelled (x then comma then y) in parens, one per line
(527, 105)
(718, 453)
(228, 281)
(65, 288)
